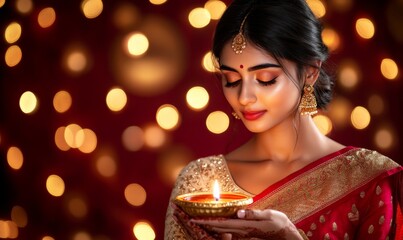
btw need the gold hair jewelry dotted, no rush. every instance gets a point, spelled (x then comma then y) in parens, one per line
(239, 41)
(308, 101)
(235, 115)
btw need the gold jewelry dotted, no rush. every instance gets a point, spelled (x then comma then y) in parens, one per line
(235, 115)
(239, 41)
(308, 102)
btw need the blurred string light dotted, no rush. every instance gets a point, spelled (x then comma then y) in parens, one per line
(216, 8)
(62, 101)
(92, 8)
(46, 17)
(116, 99)
(19, 216)
(339, 111)
(376, 104)
(136, 44)
(168, 117)
(318, 7)
(76, 61)
(77, 207)
(143, 231)
(365, 28)
(13, 55)
(323, 123)
(13, 32)
(48, 238)
(28, 102)
(360, 117)
(197, 98)
(217, 122)
(385, 138)
(2, 2)
(106, 166)
(208, 63)
(82, 235)
(331, 38)
(158, 2)
(8, 229)
(349, 74)
(154, 136)
(126, 16)
(24, 6)
(341, 5)
(199, 17)
(133, 138)
(135, 194)
(15, 158)
(73, 136)
(55, 185)
(60, 140)
(389, 69)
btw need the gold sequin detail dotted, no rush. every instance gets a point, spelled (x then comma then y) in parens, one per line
(327, 236)
(322, 219)
(354, 215)
(313, 226)
(309, 234)
(362, 194)
(378, 190)
(371, 229)
(381, 203)
(381, 220)
(334, 226)
(346, 237)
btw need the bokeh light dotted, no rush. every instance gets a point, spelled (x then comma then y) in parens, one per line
(384, 138)
(154, 136)
(365, 28)
(48, 238)
(92, 8)
(389, 68)
(216, 8)
(158, 2)
(46, 17)
(90, 141)
(143, 231)
(339, 111)
(376, 104)
(168, 117)
(60, 140)
(73, 135)
(360, 117)
(2, 2)
(133, 138)
(62, 101)
(28, 102)
(323, 123)
(77, 207)
(8, 229)
(76, 61)
(24, 6)
(349, 74)
(331, 38)
(55, 185)
(106, 166)
(136, 44)
(126, 15)
(116, 99)
(135, 194)
(19, 216)
(208, 63)
(197, 98)
(217, 122)
(318, 8)
(199, 17)
(13, 32)
(15, 158)
(13, 56)
(82, 235)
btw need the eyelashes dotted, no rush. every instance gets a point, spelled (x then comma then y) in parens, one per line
(263, 83)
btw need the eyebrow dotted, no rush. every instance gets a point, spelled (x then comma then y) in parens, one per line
(253, 68)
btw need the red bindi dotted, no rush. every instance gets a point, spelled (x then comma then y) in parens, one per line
(241, 66)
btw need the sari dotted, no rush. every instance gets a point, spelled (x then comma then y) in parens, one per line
(353, 193)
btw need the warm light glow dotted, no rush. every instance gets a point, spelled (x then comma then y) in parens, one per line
(339, 111)
(24, 6)
(318, 8)
(48, 238)
(28, 102)
(8, 229)
(106, 166)
(389, 69)
(341, 5)
(384, 138)
(216, 190)
(376, 104)
(13, 32)
(62, 101)
(60, 140)
(74, 136)
(2, 2)
(216, 8)
(154, 136)
(217, 122)
(197, 98)
(19, 216)
(323, 123)
(360, 117)
(143, 231)
(171, 161)
(13, 55)
(208, 63)
(331, 39)
(126, 15)
(135, 194)
(46, 17)
(349, 74)
(133, 138)
(199, 17)
(137, 44)
(116, 99)
(76, 61)
(92, 8)
(168, 117)
(90, 141)
(157, 2)
(15, 158)
(365, 28)
(55, 185)
(78, 207)
(82, 235)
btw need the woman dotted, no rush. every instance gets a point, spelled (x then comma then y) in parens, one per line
(304, 184)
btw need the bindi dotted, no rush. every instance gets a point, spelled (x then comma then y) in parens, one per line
(241, 66)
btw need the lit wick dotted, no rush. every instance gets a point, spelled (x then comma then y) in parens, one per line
(216, 191)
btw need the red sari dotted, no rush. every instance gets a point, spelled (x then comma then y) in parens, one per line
(350, 194)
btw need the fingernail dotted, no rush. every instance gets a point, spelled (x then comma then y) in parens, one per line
(241, 213)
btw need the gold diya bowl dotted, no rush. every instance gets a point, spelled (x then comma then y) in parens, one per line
(205, 205)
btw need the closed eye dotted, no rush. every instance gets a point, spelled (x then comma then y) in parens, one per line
(268, 83)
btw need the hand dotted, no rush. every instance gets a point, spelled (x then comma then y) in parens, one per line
(253, 224)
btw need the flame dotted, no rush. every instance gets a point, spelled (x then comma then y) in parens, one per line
(216, 191)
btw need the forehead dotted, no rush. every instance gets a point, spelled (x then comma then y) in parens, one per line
(250, 56)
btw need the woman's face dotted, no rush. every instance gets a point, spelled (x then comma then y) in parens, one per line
(258, 88)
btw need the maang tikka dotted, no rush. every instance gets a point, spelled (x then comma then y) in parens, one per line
(239, 41)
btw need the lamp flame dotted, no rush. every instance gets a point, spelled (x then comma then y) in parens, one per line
(216, 191)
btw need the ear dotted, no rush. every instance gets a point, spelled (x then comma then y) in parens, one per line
(312, 73)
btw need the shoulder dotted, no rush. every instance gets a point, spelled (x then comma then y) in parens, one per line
(371, 160)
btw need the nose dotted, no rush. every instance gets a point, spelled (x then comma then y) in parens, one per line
(247, 94)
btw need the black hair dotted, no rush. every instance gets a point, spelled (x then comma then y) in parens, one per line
(285, 29)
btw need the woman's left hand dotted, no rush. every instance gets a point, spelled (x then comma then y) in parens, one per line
(253, 224)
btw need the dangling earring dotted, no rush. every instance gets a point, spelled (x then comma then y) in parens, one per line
(308, 102)
(235, 115)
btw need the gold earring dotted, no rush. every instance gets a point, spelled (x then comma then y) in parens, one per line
(308, 102)
(235, 115)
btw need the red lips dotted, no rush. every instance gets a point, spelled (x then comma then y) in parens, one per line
(253, 115)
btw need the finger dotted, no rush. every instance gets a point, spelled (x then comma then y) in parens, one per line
(226, 236)
(266, 214)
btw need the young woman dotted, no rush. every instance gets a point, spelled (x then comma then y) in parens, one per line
(304, 185)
